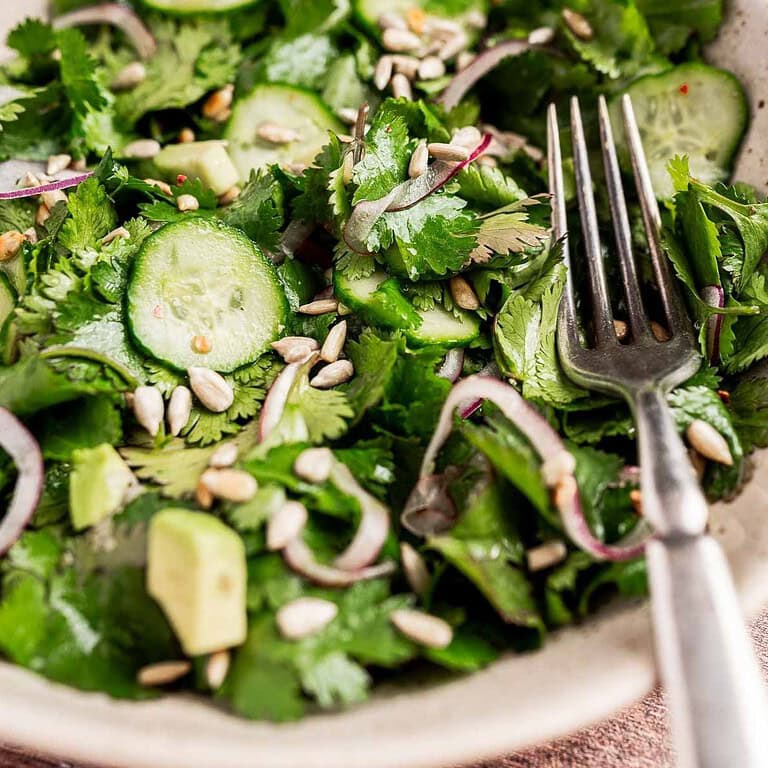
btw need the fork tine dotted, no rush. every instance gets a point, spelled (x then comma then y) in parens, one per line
(560, 224)
(676, 317)
(601, 305)
(622, 232)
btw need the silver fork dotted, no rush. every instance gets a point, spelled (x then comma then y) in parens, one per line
(716, 698)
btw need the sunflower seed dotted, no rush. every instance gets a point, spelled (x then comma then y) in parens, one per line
(636, 497)
(400, 40)
(142, 149)
(79, 165)
(660, 333)
(179, 409)
(621, 329)
(448, 152)
(277, 134)
(401, 87)
(305, 616)
(148, 408)
(557, 467)
(546, 555)
(415, 18)
(431, 68)
(454, 46)
(698, 462)
(163, 673)
(468, 137)
(347, 115)
(163, 186)
(423, 628)
(230, 484)
(211, 389)
(217, 105)
(418, 162)
(348, 167)
(230, 195)
(333, 375)
(216, 668)
(203, 496)
(186, 136)
(201, 344)
(129, 76)
(294, 349)
(314, 465)
(57, 163)
(224, 456)
(334, 342)
(392, 21)
(415, 569)
(286, 524)
(462, 293)
(319, 307)
(30, 235)
(578, 24)
(120, 232)
(28, 180)
(704, 438)
(42, 214)
(50, 199)
(10, 244)
(406, 65)
(383, 72)
(541, 36)
(187, 203)
(438, 26)
(487, 160)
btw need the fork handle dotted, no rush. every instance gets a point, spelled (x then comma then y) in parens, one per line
(716, 697)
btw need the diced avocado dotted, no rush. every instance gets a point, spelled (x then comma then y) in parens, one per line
(196, 571)
(208, 161)
(97, 485)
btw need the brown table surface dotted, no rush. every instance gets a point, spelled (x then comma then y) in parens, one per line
(635, 738)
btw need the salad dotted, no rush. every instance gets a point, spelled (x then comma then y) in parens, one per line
(281, 412)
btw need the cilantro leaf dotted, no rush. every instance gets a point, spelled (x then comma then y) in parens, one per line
(749, 409)
(78, 71)
(488, 188)
(672, 22)
(508, 230)
(32, 38)
(258, 210)
(91, 217)
(373, 358)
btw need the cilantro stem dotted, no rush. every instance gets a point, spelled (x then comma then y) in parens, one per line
(89, 354)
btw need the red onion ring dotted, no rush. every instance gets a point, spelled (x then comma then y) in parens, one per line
(481, 65)
(65, 183)
(557, 467)
(405, 195)
(117, 16)
(453, 362)
(23, 449)
(714, 296)
(429, 509)
(300, 558)
(274, 404)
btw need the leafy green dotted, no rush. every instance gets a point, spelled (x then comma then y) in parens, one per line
(258, 210)
(91, 217)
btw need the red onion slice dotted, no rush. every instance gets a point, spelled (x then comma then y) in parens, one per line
(714, 296)
(405, 195)
(301, 559)
(23, 449)
(557, 467)
(429, 510)
(115, 15)
(277, 397)
(374, 522)
(481, 65)
(63, 183)
(453, 362)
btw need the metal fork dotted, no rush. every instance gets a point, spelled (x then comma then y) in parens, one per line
(716, 698)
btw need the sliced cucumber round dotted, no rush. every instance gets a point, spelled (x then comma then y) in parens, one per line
(377, 299)
(298, 111)
(198, 285)
(694, 110)
(442, 328)
(369, 11)
(198, 6)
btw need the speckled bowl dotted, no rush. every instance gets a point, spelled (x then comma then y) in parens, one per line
(583, 674)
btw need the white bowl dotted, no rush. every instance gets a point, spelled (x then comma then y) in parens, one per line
(582, 675)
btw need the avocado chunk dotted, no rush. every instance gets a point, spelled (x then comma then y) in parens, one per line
(204, 160)
(196, 571)
(97, 485)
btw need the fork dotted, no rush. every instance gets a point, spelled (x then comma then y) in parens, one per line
(716, 698)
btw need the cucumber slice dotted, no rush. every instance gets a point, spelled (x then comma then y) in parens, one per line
(284, 105)
(198, 6)
(15, 270)
(377, 299)
(693, 110)
(201, 278)
(442, 328)
(369, 11)
(7, 298)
